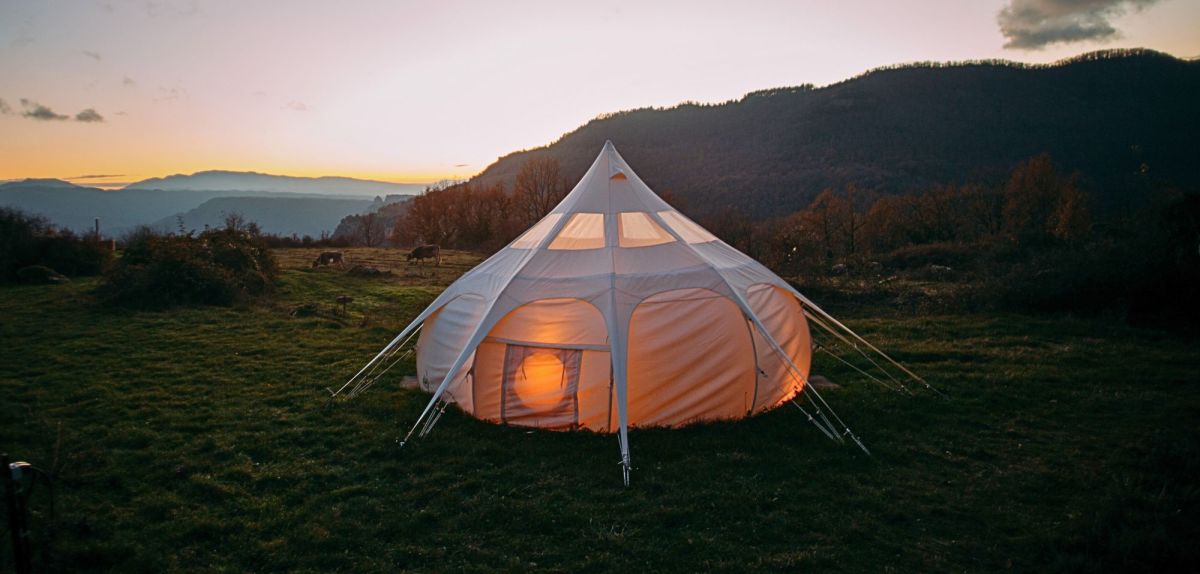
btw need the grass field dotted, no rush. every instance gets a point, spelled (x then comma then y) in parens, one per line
(199, 440)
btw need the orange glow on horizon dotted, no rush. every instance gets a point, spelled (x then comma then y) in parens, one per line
(312, 89)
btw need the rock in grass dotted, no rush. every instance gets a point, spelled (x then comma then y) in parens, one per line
(40, 275)
(305, 310)
(367, 271)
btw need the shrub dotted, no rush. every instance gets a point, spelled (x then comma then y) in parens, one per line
(72, 255)
(948, 254)
(18, 241)
(39, 274)
(217, 267)
(1084, 280)
(27, 240)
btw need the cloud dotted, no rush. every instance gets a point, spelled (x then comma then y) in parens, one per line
(171, 94)
(296, 106)
(4, 109)
(36, 111)
(93, 55)
(1035, 24)
(96, 176)
(89, 115)
(461, 164)
(156, 8)
(127, 81)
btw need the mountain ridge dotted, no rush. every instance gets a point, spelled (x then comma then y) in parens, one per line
(227, 180)
(1105, 115)
(39, 183)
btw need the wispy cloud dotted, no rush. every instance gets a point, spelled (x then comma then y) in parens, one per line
(89, 115)
(23, 37)
(1035, 24)
(93, 55)
(128, 82)
(96, 176)
(296, 106)
(156, 8)
(4, 108)
(36, 111)
(39, 112)
(171, 94)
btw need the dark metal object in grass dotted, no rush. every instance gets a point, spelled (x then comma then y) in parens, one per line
(343, 300)
(19, 480)
(16, 519)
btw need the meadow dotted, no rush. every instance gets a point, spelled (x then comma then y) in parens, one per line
(203, 439)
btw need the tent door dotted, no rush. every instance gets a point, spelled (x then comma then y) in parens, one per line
(541, 386)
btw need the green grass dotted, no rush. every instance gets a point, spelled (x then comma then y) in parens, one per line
(199, 440)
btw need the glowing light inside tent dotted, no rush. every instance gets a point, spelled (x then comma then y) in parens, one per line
(638, 230)
(583, 231)
(539, 384)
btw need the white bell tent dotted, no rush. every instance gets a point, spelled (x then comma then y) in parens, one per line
(616, 311)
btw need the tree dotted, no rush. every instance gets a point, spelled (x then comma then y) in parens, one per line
(1071, 221)
(1041, 204)
(370, 229)
(539, 187)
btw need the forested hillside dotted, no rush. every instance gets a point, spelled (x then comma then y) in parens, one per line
(1124, 120)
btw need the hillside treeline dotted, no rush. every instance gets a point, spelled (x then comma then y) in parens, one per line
(1032, 241)
(480, 216)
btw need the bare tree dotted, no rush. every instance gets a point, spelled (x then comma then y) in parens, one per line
(234, 221)
(370, 229)
(539, 187)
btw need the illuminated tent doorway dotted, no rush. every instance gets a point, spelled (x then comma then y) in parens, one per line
(541, 384)
(616, 311)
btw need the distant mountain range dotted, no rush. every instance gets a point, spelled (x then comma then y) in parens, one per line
(251, 181)
(1119, 118)
(280, 204)
(277, 213)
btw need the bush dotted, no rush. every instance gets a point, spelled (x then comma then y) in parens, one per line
(18, 241)
(72, 255)
(956, 255)
(217, 267)
(27, 240)
(1084, 279)
(40, 275)
(1150, 270)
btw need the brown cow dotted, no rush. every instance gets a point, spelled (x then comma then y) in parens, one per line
(329, 258)
(426, 252)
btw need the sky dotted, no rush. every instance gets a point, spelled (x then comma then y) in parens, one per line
(114, 91)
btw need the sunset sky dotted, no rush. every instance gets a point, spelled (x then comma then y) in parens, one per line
(421, 91)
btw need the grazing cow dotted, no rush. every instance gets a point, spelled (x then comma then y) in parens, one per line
(329, 258)
(427, 252)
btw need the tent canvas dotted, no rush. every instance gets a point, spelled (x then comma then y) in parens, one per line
(615, 311)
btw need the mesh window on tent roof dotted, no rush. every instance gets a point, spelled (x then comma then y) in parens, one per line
(583, 231)
(638, 230)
